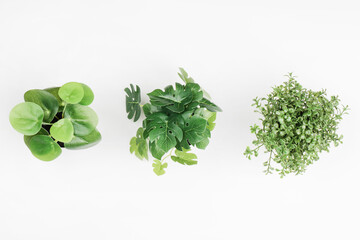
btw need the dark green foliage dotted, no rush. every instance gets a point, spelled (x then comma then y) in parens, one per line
(133, 100)
(176, 118)
(297, 124)
(49, 121)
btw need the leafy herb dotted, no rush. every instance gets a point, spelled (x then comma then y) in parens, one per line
(296, 125)
(176, 118)
(54, 118)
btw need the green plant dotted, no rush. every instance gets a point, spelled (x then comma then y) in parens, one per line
(56, 118)
(297, 124)
(176, 118)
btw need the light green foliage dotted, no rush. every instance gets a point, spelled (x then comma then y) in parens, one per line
(296, 125)
(184, 157)
(133, 100)
(139, 145)
(45, 100)
(159, 167)
(71, 92)
(49, 120)
(83, 142)
(44, 148)
(62, 130)
(88, 95)
(55, 92)
(26, 118)
(176, 118)
(83, 118)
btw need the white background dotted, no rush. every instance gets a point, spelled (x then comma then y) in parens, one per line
(236, 50)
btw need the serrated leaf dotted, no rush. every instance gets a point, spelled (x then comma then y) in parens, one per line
(184, 157)
(133, 100)
(159, 167)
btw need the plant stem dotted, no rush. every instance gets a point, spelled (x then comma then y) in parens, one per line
(64, 110)
(268, 168)
(44, 123)
(167, 155)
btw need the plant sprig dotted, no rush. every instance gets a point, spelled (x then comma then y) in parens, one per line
(177, 118)
(296, 125)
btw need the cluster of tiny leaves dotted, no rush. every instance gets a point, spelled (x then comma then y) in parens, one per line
(297, 124)
(177, 117)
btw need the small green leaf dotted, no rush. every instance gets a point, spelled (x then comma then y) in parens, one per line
(71, 92)
(184, 76)
(28, 138)
(184, 157)
(83, 142)
(150, 109)
(45, 100)
(133, 100)
(139, 145)
(62, 130)
(155, 150)
(173, 99)
(44, 148)
(203, 143)
(83, 118)
(88, 95)
(158, 167)
(209, 105)
(164, 131)
(55, 92)
(193, 129)
(26, 118)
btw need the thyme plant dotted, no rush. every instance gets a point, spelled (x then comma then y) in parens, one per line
(296, 125)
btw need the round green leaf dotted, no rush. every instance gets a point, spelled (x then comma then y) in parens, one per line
(55, 92)
(26, 118)
(82, 142)
(88, 95)
(62, 130)
(27, 139)
(83, 118)
(71, 92)
(45, 100)
(44, 148)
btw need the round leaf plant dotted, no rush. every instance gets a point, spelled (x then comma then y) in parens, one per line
(56, 118)
(296, 125)
(177, 118)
